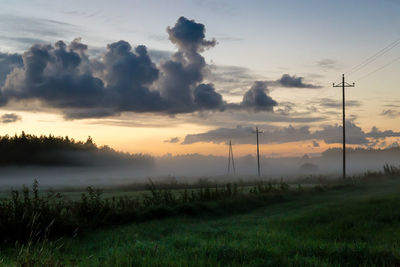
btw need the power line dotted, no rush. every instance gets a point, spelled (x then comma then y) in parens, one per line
(378, 69)
(374, 57)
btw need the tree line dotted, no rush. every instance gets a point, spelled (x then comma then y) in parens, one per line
(28, 149)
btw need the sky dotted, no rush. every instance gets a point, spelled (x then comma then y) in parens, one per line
(184, 77)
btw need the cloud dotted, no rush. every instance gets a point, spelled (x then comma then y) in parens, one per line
(256, 97)
(189, 36)
(53, 75)
(327, 63)
(10, 118)
(124, 78)
(294, 82)
(244, 135)
(330, 134)
(227, 38)
(377, 134)
(159, 55)
(285, 108)
(231, 79)
(172, 140)
(239, 135)
(330, 103)
(21, 42)
(205, 97)
(330, 106)
(184, 72)
(22, 31)
(234, 78)
(7, 63)
(390, 113)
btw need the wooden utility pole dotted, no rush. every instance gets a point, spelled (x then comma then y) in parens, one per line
(344, 84)
(230, 157)
(258, 152)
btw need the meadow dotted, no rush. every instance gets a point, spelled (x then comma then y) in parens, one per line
(333, 223)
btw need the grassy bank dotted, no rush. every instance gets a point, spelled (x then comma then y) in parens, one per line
(345, 225)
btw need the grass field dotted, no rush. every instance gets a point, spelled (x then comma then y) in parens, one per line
(356, 225)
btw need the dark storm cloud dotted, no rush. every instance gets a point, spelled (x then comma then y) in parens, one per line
(57, 76)
(124, 79)
(256, 97)
(205, 97)
(10, 118)
(182, 75)
(330, 134)
(294, 82)
(7, 63)
(189, 36)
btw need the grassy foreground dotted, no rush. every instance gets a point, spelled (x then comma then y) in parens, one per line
(346, 226)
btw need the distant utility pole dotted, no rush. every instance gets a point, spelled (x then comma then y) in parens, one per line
(230, 157)
(344, 84)
(258, 152)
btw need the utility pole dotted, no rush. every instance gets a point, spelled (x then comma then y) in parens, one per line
(258, 152)
(344, 84)
(230, 157)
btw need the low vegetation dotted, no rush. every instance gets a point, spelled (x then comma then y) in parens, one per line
(30, 216)
(345, 223)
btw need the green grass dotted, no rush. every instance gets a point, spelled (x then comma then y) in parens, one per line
(31, 216)
(346, 226)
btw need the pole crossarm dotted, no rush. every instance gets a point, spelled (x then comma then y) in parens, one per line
(345, 85)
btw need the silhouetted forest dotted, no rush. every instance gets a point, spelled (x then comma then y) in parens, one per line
(27, 149)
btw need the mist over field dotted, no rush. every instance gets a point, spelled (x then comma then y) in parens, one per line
(189, 168)
(328, 163)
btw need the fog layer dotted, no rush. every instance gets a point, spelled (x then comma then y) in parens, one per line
(189, 168)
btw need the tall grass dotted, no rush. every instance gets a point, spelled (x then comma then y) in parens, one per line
(30, 216)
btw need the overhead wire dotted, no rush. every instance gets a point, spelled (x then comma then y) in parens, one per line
(374, 57)
(378, 69)
(365, 63)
